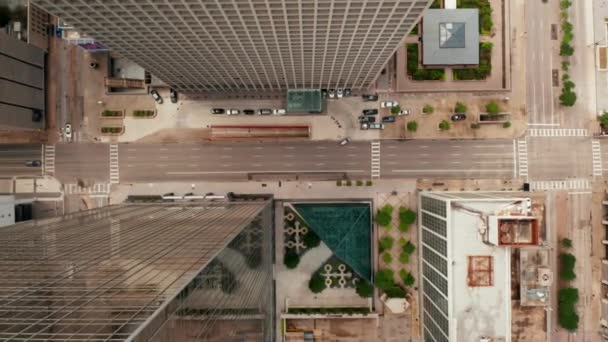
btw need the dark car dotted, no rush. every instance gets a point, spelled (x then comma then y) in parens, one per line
(218, 111)
(370, 112)
(265, 111)
(156, 96)
(458, 117)
(33, 163)
(368, 119)
(36, 115)
(370, 97)
(348, 92)
(173, 95)
(248, 111)
(324, 93)
(388, 119)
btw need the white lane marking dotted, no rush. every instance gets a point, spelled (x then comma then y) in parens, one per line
(257, 171)
(257, 156)
(391, 155)
(453, 170)
(494, 162)
(196, 149)
(226, 157)
(163, 157)
(321, 155)
(164, 149)
(455, 146)
(455, 162)
(288, 164)
(288, 156)
(131, 157)
(289, 147)
(351, 155)
(226, 148)
(129, 165)
(321, 147)
(226, 165)
(131, 150)
(193, 165)
(163, 165)
(456, 154)
(258, 148)
(491, 154)
(319, 164)
(423, 146)
(256, 165)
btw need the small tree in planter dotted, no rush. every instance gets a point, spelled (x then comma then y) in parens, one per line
(566, 243)
(311, 240)
(364, 288)
(568, 261)
(506, 124)
(384, 215)
(406, 218)
(460, 108)
(407, 278)
(444, 125)
(404, 258)
(493, 108)
(409, 248)
(412, 126)
(316, 283)
(395, 110)
(386, 243)
(385, 279)
(387, 257)
(291, 260)
(603, 119)
(428, 109)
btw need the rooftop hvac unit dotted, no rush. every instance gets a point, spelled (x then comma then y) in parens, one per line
(545, 277)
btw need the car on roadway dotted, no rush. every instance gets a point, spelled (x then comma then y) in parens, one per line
(173, 95)
(344, 141)
(458, 117)
(370, 97)
(33, 163)
(388, 119)
(248, 111)
(279, 111)
(370, 112)
(372, 126)
(233, 112)
(218, 111)
(331, 93)
(264, 111)
(368, 118)
(67, 131)
(388, 104)
(156, 96)
(339, 93)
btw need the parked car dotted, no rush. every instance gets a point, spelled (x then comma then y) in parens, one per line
(458, 117)
(156, 96)
(372, 126)
(370, 112)
(324, 93)
(348, 92)
(233, 112)
(279, 112)
(388, 104)
(248, 111)
(404, 112)
(388, 119)
(218, 111)
(67, 131)
(367, 118)
(344, 141)
(370, 97)
(264, 111)
(173, 95)
(331, 93)
(33, 163)
(339, 93)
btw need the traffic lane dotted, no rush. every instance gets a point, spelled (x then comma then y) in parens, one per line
(82, 161)
(13, 160)
(558, 158)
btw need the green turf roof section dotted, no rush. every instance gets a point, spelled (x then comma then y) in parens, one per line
(346, 230)
(304, 101)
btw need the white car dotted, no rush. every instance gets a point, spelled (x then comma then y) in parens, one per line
(404, 112)
(388, 104)
(279, 112)
(344, 141)
(67, 131)
(233, 112)
(372, 125)
(339, 93)
(331, 93)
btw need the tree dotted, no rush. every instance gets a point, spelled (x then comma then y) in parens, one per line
(565, 49)
(493, 108)
(387, 257)
(385, 279)
(412, 126)
(460, 108)
(384, 215)
(567, 98)
(567, 316)
(311, 239)
(396, 109)
(444, 125)
(406, 215)
(404, 258)
(506, 124)
(567, 261)
(409, 248)
(291, 260)
(395, 292)
(566, 243)
(569, 85)
(568, 295)
(386, 243)
(428, 109)
(565, 66)
(407, 278)
(316, 283)
(603, 119)
(364, 288)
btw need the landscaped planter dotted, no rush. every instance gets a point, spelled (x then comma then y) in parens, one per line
(500, 118)
(112, 130)
(112, 113)
(144, 114)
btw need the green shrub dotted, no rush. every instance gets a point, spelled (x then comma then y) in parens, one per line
(412, 126)
(386, 243)
(404, 258)
(406, 215)
(384, 215)
(444, 125)
(407, 278)
(311, 240)
(111, 130)
(506, 124)
(395, 110)
(409, 248)
(111, 113)
(567, 316)
(482, 71)
(428, 109)
(368, 183)
(567, 295)
(143, 113)
(291, 260)
(395, 292)
(565, 66)
(420, 74)
(349, 183)
(385, 279)
(565, 49)
(493, 108)
(566, 243)
(460, 108)
(485, 13)
(339, 182)
(359, 183)
(387, 258)
(567, 98)
(475, 126)
(316, 283)
(402, 241)
(364, 288)
(568, 261)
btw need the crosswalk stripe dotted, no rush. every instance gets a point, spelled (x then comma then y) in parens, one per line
(114, 166)
(558, 132)
(375, 162)
(97, 189)
(596, 152)
(571, 184)
(522, 157)
(48, 159)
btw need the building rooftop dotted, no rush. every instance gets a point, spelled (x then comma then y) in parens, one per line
(450, 37)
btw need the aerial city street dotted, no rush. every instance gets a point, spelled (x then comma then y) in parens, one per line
(304, 170)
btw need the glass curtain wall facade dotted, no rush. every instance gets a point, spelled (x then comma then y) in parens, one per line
(249, 45)
(192, 271)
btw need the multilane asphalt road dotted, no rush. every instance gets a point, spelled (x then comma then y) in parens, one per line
(13, 158)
